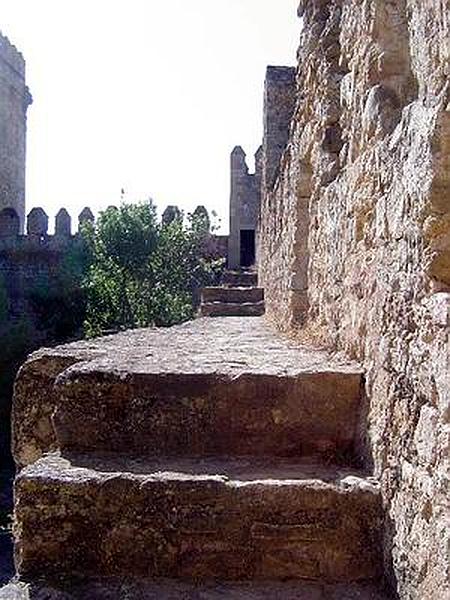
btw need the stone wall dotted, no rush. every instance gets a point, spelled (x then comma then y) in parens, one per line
(28, 260)
(284, 218)
(355, 244)
(14, 101)
(279, 104)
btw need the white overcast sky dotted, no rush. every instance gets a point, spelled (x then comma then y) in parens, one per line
(146, 95)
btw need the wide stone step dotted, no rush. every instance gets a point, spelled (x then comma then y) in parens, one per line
(240, 278)
(229, 309)
(170, 413)
(211, 386)
(196, 520)
(116, 588)
(232, 294)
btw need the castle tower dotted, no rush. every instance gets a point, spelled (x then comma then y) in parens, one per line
(245, 198)
(14, 101)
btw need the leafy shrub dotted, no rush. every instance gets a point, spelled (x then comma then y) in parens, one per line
(144, 273)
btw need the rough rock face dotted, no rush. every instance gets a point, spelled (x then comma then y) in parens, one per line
(357, 229)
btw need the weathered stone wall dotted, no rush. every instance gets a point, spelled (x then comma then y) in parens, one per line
(279, 104)
(284, 220)
(14, 101)
(359, 221)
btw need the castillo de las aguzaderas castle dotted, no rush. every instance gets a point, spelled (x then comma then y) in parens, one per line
(221, 458)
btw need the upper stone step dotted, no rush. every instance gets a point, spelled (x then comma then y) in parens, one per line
(232, 309)
(210, 386)
(240, 278)
(196, 520)
(196, 414)
(238, 295)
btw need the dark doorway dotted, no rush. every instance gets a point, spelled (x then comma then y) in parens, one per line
(247, 247)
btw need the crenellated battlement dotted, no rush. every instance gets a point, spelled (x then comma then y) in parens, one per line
(37, 228)
(38, 239)
(10, 55)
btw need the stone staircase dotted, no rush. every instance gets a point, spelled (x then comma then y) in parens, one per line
(209, 460)
(238, 296)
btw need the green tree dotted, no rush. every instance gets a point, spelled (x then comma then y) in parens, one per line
(142, 272)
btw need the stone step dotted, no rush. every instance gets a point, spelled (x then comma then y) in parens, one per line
(240, 278)
(202, 414)
(229, 309)
(196, 520)
(212, 386)
(116, 588)
(237, 295)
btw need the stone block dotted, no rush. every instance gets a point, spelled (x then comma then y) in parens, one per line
(9, 223)
(196, 521)
(233, 295)
(240, 278)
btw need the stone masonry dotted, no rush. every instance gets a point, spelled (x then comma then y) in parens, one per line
(37, 256)
(238, 296)
(14, 101)
(355, 246)
(279, 104)
(245, 196)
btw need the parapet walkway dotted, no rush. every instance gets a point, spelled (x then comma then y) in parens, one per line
(209, 460)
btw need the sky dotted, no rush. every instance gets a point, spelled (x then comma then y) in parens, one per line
(145, 96)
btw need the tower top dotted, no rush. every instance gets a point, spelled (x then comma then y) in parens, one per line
(11, 56)
(238, 151)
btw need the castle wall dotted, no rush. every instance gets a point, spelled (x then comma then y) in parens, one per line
(30, 260)
(361, 211)
(283, 225)
(279, 104)
(36, 258)
(14, 101)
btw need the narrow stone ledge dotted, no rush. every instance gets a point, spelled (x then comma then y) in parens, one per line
(109, 589)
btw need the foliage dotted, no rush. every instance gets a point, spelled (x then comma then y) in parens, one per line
(143, 273)
(4, 303)
(57, 300)
(17, 340)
